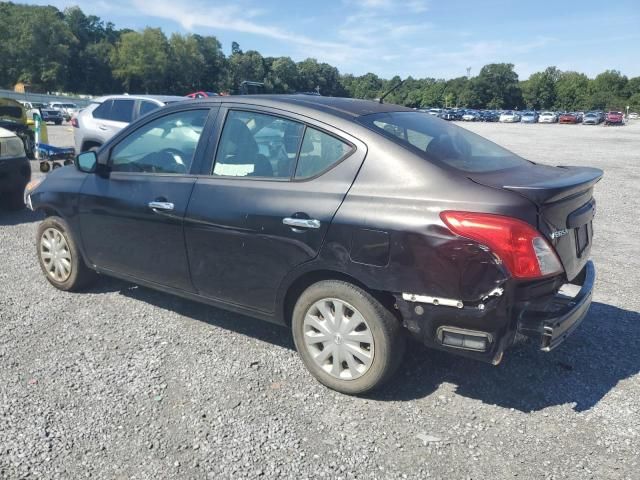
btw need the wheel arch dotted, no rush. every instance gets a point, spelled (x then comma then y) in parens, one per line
(294, 288)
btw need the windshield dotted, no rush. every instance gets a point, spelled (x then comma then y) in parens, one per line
(439, 141)
(10, 111)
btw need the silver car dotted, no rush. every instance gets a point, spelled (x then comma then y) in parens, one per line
(67, 109)
(106, 116)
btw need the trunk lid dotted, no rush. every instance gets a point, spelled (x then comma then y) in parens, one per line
(565, 203)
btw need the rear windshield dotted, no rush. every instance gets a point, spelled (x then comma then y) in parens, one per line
(440, 141)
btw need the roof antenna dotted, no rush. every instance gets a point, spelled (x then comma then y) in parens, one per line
(390, 91)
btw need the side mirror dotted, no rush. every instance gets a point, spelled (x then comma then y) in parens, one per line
(86, 162)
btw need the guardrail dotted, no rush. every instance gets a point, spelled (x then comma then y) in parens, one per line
(44, 98)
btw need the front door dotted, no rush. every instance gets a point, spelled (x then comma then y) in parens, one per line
(132, 221)
(266, 206)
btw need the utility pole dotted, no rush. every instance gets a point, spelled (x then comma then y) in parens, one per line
(468, 72)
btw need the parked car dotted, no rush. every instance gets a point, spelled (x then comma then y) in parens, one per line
(614, 118)
(15, 170)
(106, 116)
(202, 94)
(529, 117)
(568, 118)
(509, 117)
(434, 111)
(49, 115)
(67, 109)
(299, 211)
(547, 117)
(592, 118)
(33, 108)
(634, 115)
(14, 117)
(470, 116)
(489, 116)
(451, 115)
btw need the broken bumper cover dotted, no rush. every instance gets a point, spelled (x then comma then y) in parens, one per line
(550, 324)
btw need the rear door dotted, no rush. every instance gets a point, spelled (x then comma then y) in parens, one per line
(131, 221)
(265, 203)
(111, 116)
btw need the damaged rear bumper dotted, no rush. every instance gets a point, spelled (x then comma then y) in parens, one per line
(550, 323)
(483, 331)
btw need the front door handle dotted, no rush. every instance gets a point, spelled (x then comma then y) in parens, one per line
(102, 127)
(301, 222)
(163, 206)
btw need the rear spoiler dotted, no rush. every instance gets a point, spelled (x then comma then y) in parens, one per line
(543, 184)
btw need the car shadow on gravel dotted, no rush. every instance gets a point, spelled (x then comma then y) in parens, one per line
(601, 353)
(17, 217)
(242, 324)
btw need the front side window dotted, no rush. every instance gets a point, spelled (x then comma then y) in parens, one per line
(442, 142)
(319, 152)
(164, 145)
(257, 145)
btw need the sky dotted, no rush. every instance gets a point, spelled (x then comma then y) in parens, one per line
(421, 38)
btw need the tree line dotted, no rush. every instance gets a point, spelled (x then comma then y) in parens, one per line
(53, 50)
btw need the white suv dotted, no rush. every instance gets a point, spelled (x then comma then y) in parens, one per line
(106, 116)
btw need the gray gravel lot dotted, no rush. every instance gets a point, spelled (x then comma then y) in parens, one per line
(125, 382)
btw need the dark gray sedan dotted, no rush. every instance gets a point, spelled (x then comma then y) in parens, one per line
(353, 223)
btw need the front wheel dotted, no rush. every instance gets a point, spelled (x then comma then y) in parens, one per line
(59, 256)
(346, 338)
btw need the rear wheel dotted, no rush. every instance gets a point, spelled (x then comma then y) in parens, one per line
(346, 338)
(59, 257)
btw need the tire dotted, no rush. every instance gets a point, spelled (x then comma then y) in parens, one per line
(58, 122)
(75, 275)
(380, 340)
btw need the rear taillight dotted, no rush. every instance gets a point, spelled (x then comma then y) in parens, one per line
(522, 249)
(74, 122)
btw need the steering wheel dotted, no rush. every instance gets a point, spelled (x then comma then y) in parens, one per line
(169, 160)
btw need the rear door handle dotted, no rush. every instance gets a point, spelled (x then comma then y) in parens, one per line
(102, 127)
(301, 222)
(163, 206)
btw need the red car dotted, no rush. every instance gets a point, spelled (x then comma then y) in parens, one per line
(614, 118)
(568, 118)
(202, 94)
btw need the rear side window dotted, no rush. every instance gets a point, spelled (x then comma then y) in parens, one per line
(319, 152)
(146, 107)
(116, 110)
(439, 141)
(102, 110)
(122, 111)
(257, 145)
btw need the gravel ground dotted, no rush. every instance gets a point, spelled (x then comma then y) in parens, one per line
(125, 382)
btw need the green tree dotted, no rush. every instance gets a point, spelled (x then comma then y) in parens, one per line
(609, 90)
(246, 66)
(539, 91)
(214, 73)
(283, 75)
(496, 86)
(185, 66)
(572, 91)
(140, 60)
(313, 75)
